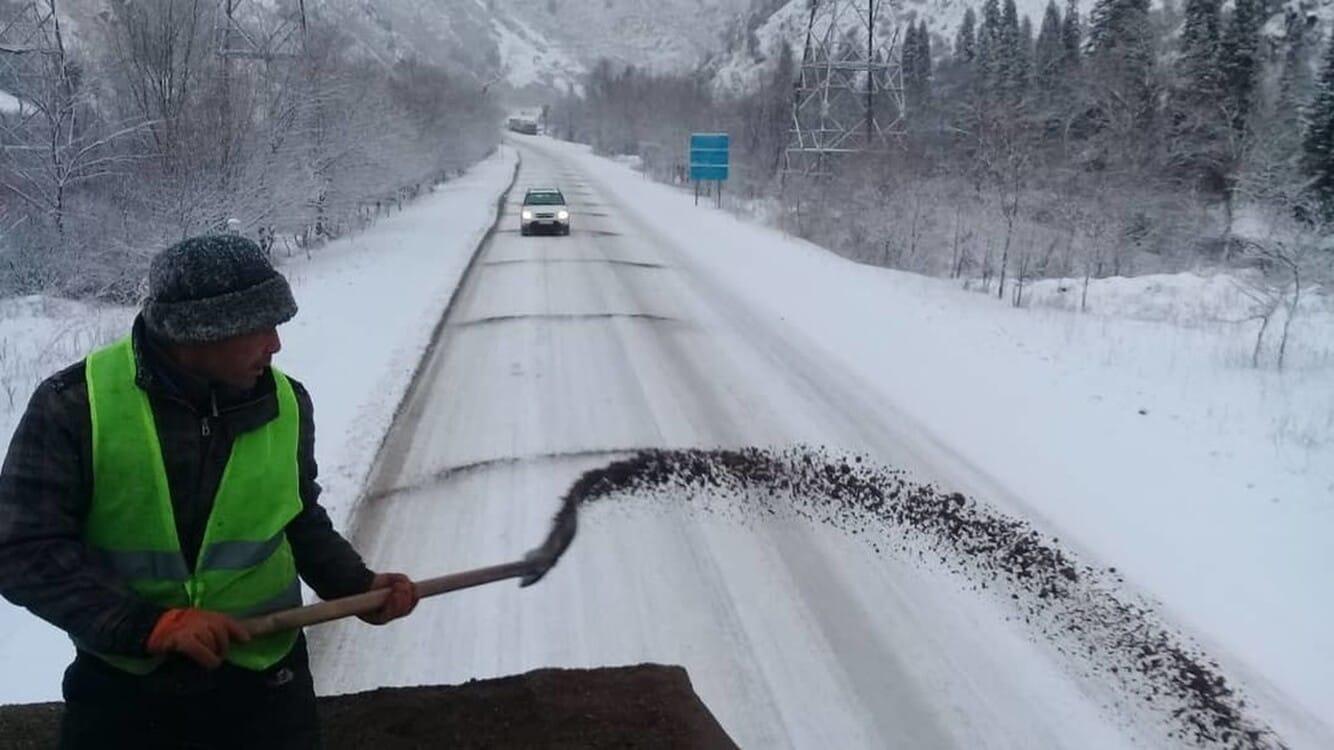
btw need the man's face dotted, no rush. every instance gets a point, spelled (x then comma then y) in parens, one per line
(237, 361)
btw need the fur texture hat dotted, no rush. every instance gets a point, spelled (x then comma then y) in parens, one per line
(214, 287)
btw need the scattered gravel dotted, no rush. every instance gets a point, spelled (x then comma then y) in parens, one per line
(1082, 611)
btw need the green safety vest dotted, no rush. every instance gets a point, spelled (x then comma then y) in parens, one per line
(245, 565)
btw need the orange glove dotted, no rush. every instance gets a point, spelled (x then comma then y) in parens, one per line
(199, 635)
(401, 601)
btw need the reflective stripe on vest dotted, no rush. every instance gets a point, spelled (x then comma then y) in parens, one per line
(245, 564)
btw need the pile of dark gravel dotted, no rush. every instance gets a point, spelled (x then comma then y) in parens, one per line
(1081, 611)
(643, 706)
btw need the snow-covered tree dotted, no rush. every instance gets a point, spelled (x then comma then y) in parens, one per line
(1296, 85)
(965, 42)
(908, 63)
(988, 47)
(1198, 63)
(1318, 143)
(157, 136)
(1121, 62)
(1072, 35)
(1198, 144)
(1238, 61)
(1047, 51)
(916, 64)
(1121, 25)
(1024, 72)
(55, 148)
(1010, 56)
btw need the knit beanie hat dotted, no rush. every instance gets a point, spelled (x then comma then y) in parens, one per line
(214, 287)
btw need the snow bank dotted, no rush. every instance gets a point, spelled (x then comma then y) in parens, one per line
(10, 104)
(1148, 446)
(1188, 299)
(38, 337)
(368, 307)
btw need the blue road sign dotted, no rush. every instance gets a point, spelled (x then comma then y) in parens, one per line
(706, 172)
(717, 141)
(709, 156)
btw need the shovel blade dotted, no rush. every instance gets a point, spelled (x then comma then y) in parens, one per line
(544, 558)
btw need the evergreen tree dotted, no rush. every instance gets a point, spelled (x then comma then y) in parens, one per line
(1198, 64)
(1295, 84)
(777, 114)
(924, 59)
(1009, 64)
(988, 46)
(1119, 68)
(916, 63)
(965, 42)
(1238, 61)
(1198, 146)
(1277, 157)
(909, 49)
(1024, 74)
(908, 64)
(1048, 51)
(1072, 36)
(1318, 143)
(1120, 44)
(1120, 25)
(1101, 22)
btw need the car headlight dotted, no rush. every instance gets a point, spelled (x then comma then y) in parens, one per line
(527, 215)
(563, 215)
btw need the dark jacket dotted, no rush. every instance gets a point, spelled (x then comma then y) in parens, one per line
(46, 488)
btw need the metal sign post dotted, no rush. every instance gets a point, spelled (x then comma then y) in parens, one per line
(709, 161)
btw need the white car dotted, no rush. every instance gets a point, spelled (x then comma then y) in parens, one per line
(544, 209)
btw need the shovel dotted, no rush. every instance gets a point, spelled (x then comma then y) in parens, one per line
(530, 569)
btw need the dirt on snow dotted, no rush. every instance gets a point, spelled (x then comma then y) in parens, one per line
(1106, 634)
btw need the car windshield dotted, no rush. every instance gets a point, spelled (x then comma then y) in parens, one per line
(544, 199)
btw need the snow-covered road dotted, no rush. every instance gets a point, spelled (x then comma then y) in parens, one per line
(564, 352)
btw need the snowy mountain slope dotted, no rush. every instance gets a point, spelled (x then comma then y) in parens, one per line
(528, 58)
(653, 34)
(456, 34)
(541, 43)
(470, 37)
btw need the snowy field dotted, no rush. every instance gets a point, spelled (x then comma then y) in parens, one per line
(1138, 433)
(368, 307)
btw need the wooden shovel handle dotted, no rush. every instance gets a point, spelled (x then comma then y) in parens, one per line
(360, 604)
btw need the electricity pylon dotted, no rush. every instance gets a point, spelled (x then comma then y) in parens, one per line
(848, 97)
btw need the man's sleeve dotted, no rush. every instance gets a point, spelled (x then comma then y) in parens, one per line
(325, 560)
(45, 492)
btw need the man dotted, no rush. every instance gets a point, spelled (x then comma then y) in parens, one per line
(163, 489)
